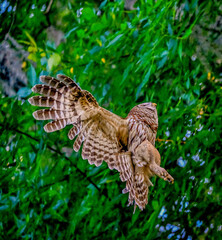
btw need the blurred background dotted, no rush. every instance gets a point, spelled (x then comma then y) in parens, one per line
(125, 53)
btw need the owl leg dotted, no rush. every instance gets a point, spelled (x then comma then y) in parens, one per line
(161, 172)
(149, 154)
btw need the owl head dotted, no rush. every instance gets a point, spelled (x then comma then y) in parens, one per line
(147, 113)
(151, 106)
(145, 107)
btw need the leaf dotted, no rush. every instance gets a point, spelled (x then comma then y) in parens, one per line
(180, 50)
(33, 57)
(126, 73)
(155, 205)
(54, 61)
(171, 43)
(70, 31)
(103, 4)
(87, 67)
(80, 33)
(32, 75)
(97, 26)
(88, 14)
(170, 30)
(95, 50)
(31, 39)
(187, 33)
(115, 40)
(188, 83)
(161, 63)
(145, 80)
(4, 207)
(24, 92)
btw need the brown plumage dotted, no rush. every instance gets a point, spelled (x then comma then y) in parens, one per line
(125, 144)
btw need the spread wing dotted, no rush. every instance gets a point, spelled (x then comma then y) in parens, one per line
(102, 133)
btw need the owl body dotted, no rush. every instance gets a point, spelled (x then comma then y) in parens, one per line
(125, 144)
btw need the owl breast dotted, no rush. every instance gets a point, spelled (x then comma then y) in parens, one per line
(143, 125)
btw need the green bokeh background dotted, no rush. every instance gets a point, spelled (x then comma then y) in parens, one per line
(164, 52)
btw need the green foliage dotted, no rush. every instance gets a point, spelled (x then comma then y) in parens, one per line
(124, 58)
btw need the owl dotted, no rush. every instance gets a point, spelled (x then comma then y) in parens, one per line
(125, 144)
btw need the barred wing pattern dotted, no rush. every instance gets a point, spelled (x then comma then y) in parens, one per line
(126, 145)
(101, 132)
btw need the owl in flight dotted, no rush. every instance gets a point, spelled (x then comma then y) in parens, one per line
(125, 144)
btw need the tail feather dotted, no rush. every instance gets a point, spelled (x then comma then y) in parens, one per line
(141, 194)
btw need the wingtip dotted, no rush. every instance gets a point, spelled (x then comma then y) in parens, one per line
(76, 149)
(61, 76)
(30, 100)
(35, 115)
(35, 89)
(70, 136)
(42, 78)
(46, 129)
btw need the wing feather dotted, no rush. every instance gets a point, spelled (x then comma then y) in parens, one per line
(53, 82)
(99, 130)
(49, 102)
(74, 131)
(55, 125)
(51, 92)
(81, 137)
(47, 114)
(67, 81)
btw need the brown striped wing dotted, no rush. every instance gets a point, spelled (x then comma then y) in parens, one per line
(93, 127)
(65, 99)
(98, 135)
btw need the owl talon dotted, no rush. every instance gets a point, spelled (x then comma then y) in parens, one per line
(161, 172)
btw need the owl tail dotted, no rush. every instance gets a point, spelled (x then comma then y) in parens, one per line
(142, 184)
(138, 193)
(141, 192)
(138, 189)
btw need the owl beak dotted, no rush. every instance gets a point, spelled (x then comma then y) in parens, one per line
(154, 104)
